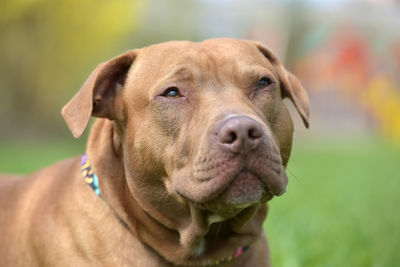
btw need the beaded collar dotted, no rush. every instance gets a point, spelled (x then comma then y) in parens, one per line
(89, 175)
(92, 179)
(237, 253)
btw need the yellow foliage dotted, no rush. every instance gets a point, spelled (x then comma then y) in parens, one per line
(12, 10)
(48, 44)
(382, 97)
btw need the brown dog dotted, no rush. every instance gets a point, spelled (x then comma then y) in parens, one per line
(192, 142)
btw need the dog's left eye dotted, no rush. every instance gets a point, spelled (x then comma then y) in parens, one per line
(172, 92)
(264, 82)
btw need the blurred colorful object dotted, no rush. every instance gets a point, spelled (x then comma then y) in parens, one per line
(347, 52)
(350, 63)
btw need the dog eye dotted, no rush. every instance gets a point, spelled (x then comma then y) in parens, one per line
(172, 92)
(264, 82)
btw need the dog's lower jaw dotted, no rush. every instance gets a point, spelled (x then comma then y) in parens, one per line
(192, 236)
(226, 237)
(205, 245)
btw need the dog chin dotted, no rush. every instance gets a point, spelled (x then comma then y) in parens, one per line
(245, 190)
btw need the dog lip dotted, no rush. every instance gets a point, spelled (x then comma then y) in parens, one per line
(235, 176)
(208, 183)
(223, 189)
(237, 179)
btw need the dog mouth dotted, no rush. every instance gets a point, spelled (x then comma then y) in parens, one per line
(245, 190)
(228, 185)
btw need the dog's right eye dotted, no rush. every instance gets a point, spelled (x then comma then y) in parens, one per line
(264, 82)
(172, 92)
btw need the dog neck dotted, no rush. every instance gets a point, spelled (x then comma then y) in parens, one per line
(178, 239)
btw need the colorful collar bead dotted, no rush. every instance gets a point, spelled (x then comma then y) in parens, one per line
(89, 175)
(237, 253)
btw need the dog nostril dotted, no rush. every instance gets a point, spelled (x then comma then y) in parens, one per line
(229, 138)
(254, 133)
(233, 137)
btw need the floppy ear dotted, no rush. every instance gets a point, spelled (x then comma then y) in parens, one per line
(96, 96)
(290, 85)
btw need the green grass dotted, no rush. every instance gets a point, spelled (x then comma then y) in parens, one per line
(27, 156)
(341, 209)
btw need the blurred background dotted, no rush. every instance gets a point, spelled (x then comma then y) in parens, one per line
(341, 208)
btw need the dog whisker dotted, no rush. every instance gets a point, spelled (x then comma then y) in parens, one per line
(218, 230)
(292, 173)
(163, 198)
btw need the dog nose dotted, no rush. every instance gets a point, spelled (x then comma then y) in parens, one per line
(240, 134)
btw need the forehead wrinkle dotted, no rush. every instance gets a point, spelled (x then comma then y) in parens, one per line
(255, 70)
(183, 73)
(209, 66)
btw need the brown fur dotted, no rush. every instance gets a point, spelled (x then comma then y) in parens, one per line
(150, 153)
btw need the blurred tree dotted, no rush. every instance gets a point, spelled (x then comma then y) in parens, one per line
(47, 48)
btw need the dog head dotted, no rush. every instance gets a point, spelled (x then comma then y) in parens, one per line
(200, 125)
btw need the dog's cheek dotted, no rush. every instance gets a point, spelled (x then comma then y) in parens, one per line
(168, 118)
(143, 146)
(282, 128)
(156, 146)
(268, 105)
(179, 153)
(172, 122)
